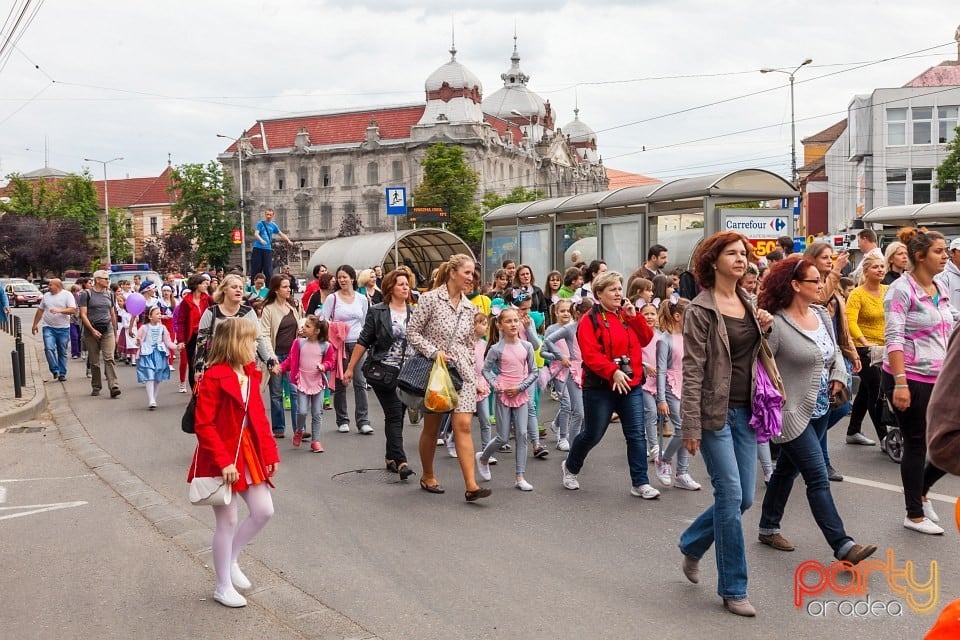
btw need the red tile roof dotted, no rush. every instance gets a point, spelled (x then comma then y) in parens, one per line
(830, 134)
(945, 74)
(132, 192)
(349, 127)
(625, 179)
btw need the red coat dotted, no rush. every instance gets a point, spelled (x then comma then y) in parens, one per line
(612, 337)
(188, 314)
(218, 418)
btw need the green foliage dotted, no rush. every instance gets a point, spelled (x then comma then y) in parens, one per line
(949, 170)
(695, 224)
(206, 209)
(121, 242)
(71, 198)
(449, 182)
(170, 251)
(492, 200)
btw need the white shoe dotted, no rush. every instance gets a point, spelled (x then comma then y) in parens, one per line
(929, 512)
(230, 598)
(684, 481)
(366, 430)
(483, 469)
(492, 460)
(344, 428)
(664, 472)
(569, 479)
(926, 526)
(523, 485)
(238, 578)
(451, 447)
(171, 367)
(645, 491)
(153, 405)
(441, 442)
(563, 444)
(653, 453)
(182, 389)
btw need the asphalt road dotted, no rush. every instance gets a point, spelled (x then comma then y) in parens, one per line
(551, 563)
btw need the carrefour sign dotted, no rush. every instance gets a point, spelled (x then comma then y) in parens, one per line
(759, 226)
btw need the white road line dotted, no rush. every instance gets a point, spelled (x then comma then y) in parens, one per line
(8, 480)
(895, 488)
(39, 508)
(3, 495)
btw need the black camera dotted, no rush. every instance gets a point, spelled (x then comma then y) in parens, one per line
(623, 363)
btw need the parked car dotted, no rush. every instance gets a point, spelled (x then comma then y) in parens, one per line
(21, 294)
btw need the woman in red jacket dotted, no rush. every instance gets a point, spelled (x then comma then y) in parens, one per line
(611, 337)
(234, 441)
(187, 322)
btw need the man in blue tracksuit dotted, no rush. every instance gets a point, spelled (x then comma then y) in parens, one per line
(261, 261)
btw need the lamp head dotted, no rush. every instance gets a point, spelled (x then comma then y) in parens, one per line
(807, 61)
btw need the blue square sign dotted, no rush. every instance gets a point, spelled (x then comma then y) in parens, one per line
(396, 201)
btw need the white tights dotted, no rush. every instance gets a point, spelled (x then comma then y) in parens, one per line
(230, 539)
(152, 387)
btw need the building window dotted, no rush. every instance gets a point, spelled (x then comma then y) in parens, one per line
(922, 180)
(281, 174)
(325, 176)
(397, 170)
(303, 216)
(373, 173)
(326, 217)
(304, 177)
(896, 186)
(281, 217)
(922, 118)
(896, 127)
(373, 214)
(947, 124)
(348, 175)
(948, 193)
(154, 225)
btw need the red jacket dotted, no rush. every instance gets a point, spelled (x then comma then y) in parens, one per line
(612, 337)
(219, 415)
(187, 319)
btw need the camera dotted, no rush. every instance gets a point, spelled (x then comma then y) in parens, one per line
(623, 363)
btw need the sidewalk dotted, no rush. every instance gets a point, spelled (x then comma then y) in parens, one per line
(114, 559)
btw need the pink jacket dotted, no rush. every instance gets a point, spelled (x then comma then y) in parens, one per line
(292, 364)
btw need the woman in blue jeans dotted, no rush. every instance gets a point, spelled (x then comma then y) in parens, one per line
(721, 337)
(813, 370)
(611, 336)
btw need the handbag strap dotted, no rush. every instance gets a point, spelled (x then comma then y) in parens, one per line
(246, 404)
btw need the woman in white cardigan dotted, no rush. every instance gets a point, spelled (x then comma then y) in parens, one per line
(806, 352)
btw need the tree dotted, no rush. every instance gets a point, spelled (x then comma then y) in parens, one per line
(29, 244)
(349, 225)
(285, 254)
(171, 251)
(449, 182)
(948, 173)
(70, 198)
(205, 207)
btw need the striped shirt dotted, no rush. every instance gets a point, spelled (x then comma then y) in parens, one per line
(919, 326)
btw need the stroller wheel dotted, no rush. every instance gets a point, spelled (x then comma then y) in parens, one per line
(894, 444)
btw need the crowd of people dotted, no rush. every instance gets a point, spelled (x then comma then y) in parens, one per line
(671, 356)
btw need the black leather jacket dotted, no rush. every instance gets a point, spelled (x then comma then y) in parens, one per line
(377, 333)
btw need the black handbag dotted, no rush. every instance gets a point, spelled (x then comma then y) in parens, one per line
(415, 372)
(380, 374)
(188, 419)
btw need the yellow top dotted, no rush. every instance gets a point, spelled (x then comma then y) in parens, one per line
(865, 315)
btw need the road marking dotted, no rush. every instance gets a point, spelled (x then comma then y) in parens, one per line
(8, 480)
(3, 495)
(40, 508)
(896, 489)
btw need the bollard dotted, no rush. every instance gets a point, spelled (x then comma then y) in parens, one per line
(21, 361)
(17, 381)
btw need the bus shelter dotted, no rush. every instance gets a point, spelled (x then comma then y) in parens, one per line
(618, 225)
(423, 250)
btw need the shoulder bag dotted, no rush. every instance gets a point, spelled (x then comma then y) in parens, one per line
(415, 372)
(213, 490)
(385, 375)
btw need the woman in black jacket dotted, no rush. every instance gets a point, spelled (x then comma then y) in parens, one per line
(384, 336)
(523, 280)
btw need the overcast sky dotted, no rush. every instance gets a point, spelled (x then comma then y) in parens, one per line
(143, 80)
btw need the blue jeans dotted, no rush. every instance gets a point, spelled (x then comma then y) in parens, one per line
(313, 405)
(650, 420)
(517, 416)
(570, 419)
(276, 400)
(483, 416)
(730, 455)
(599, 405)
(803, 456)
(675, 445)
(55, 344)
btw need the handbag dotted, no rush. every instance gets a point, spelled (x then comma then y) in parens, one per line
(766, 360)
(188, 419)
(380, 374)
(213, 490)
(415, 372)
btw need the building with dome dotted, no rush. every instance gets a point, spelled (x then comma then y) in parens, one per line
(325, 173)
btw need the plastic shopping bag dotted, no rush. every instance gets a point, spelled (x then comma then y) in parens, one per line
(441, 396)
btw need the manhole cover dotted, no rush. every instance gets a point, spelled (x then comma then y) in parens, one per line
(23, 429)
(354, 476)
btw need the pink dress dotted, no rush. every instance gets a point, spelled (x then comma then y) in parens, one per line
(513, 371)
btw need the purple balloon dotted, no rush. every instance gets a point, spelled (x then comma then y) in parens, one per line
(135, 304)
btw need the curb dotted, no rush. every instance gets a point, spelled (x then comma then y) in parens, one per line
(293, 608)
(38, 404)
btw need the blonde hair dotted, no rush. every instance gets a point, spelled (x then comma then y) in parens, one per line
(867, 262)
(666, 312)
(231, 341)
(891, 249)
(454, 262)
(604, 280)
(364, 277)
(221, 291)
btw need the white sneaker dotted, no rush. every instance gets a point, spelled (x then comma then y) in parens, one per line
(645, 491)
(172, 367)
(230, 598)
(153, 405)
(684, 481)
(451, 446)
(929, 512)
(523, 485)
(653, 453)
(492, 460)
(182, 389)
(366, 430)
(563, 444)
(926, 526)
(664, 472)
(238, 577)
(569, 479)
(483, 469)
(440, 442)
(344, 428)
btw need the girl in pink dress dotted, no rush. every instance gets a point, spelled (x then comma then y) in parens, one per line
(311, 357)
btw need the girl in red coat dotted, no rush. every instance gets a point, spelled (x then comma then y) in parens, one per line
(228, 397)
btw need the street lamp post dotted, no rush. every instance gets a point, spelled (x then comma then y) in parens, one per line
(106, 199)
(533, 147)
(243, 233)
(793, 119)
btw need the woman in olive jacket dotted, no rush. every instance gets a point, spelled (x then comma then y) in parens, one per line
(384, 336)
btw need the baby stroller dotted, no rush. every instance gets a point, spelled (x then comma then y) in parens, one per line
(893, 443)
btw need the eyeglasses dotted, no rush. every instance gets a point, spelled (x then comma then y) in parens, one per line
(818, 281)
